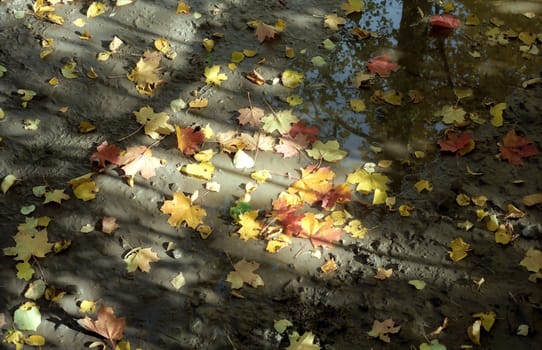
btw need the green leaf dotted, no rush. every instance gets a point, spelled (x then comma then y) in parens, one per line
(434, 345)
(328, 151)
(281, 121)
(27, 317)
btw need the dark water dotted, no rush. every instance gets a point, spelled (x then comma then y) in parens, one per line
(432, 63)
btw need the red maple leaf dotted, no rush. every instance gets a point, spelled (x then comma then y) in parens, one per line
(311, 132)
(292, 146)
(445, 21)
(139, 159)
(340, 193)
(286, 214)
(516, 147)
(382, 65)
(106, 153)
(265, 32)
(455, 142)
(189, 139)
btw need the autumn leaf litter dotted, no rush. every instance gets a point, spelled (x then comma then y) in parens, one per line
(157, 180)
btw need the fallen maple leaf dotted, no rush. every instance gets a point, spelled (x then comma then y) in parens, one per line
(140, 258)
(189, 139)
(156, 124)
(339, 194)
(250, 226)
(382, 65)
(281, 121)
(333, 21)
(310, 132)
(106, 325)
(460, 143)
(328, 151)
(459, 249)
(139, 159)
(109, 224)
(182, 210)
(244, 273)
(28, 245)
(106, 153)
(516, 147)
(265, 32)
(382, 273)
(445, 21)
(56, 196)
(290, 147)
(213, 75)
(250, 115)
(145, 73)
(314, 183)
(381, 330)
(320, 233)
(303, 342)
(352, 6)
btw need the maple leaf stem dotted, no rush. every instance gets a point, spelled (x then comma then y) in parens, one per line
(39, 268)
(270, 108)
(131, 134)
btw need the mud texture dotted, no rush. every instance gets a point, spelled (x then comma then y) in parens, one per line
(339, 307)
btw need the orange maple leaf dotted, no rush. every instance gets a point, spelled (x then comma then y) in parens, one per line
(340, 193)
(107, 325)
(320, 233)
(189, 139)
(457, 142)
(106, 153)
(182, 210)
(313, 184)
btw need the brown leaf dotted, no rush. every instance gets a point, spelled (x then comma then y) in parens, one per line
(250, 115)
(106, 325)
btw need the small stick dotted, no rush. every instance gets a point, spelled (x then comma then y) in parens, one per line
(130, 135)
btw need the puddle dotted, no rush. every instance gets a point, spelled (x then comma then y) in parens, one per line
(433, 65)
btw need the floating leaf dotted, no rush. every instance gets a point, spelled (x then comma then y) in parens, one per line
(140, 258)
(459, 249)
(213, 75)
(244, 273)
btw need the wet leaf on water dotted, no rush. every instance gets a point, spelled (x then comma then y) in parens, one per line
(445, 21)
(291, 78)
(28, 245)
(329, 151)
(24, 271)
(56, 196)
(178, 281)
(532, 199)
(87, 307)
(109, 224)
(156, 124)
(333, 21)
(433, 345)
(418, 284)
(452, 115)
(183, 8)
(382, 65)
(352, 6)
(383, 274)
(145, 74)
(457, 143)
(515, 147)
(281, 325)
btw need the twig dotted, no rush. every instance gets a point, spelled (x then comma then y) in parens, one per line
(231, 342)
(130, 135)
(41, 270)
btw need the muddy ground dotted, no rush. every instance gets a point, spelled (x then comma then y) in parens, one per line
(339, 307)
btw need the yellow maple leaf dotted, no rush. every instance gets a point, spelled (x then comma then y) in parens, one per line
(213, 75)
(86, 190)
(95, 9)
(423, 185)
(24, 271)
(28, 245)
(145, 73)
(278, 243)
(182, 210)
(156, 124)
(291, 78)
(368, 182)
(313, 184)
(333, 21)
(459, 249)
(328, 151)
(203, 170)
(55, 196)
(250, 227)
(356, 229)
(487, 318)
(87, 307)
(352, 6)
(140, 258)
(532, 260)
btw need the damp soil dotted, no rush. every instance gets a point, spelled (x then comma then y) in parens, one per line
(338, 307)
